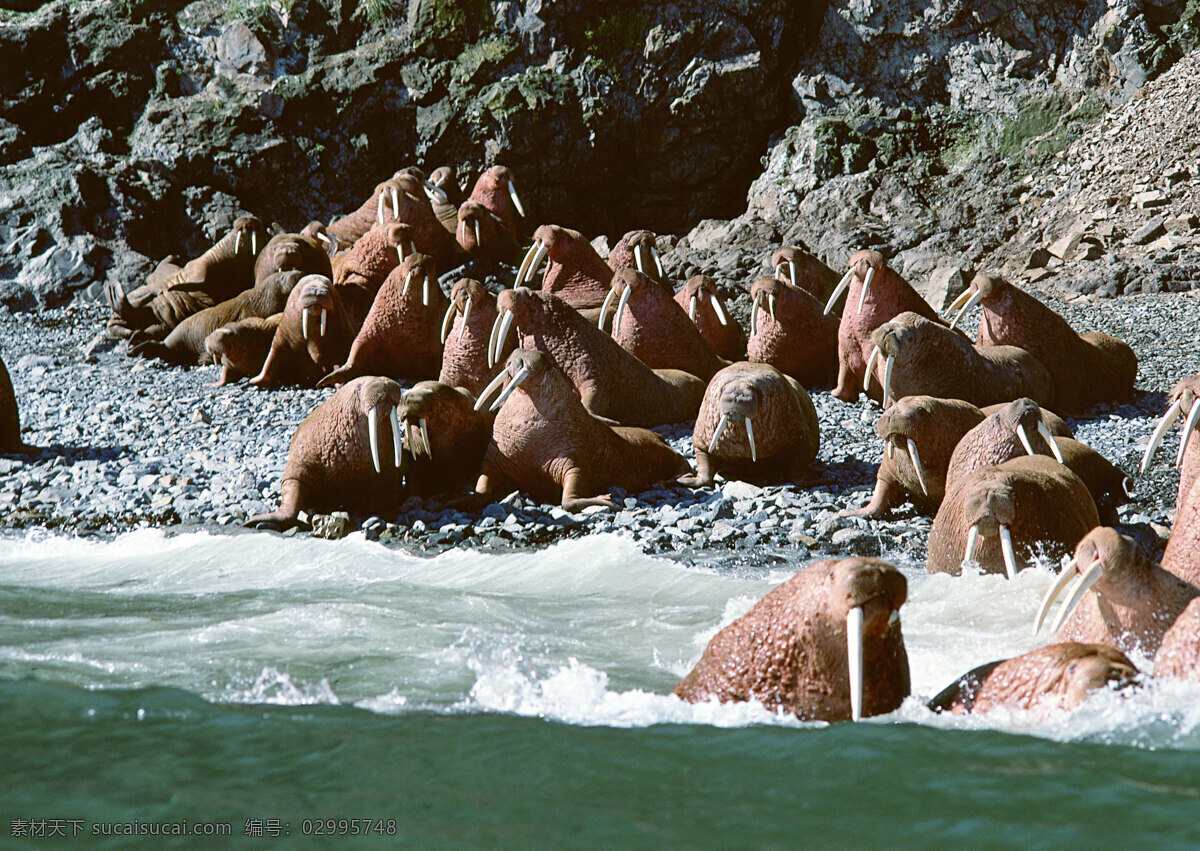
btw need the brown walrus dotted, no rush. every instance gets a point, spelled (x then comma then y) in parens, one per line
(241, 347)
(1086, 368)
(448, 198)
(825, 646)
(574, 271)
(482, 234)
(913, 356)
(359, 272)
(1179, 656)
(654, 329)
(444, 438)
(797, 267)
(545, 441)
(611, 382)
(1060, 676)
(755, 424)
(286, 252)
(348, 229)
(339, 458)
(10, 418)
(1001, 516)
(702, 301)
(466, 334)
(789, 330)
(1185, 397)
(876, 294)
(637, 249)
(1118, 596)
(496, 190)
(314, 335)
(399, 337)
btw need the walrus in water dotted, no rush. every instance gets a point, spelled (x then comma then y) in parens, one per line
(545, 441)
(702, 301)
(337, 460)
(789, 331)
(876, 294)
(313, 335)
(1179, 656)
(241, 348)
(755, 424)
(1117, 596)
(1086, 368)
(1060, 676)
(359, 272)
(466, 336)
(1001, 516)
(825, 646)
(797, 267)
(574, 271)
(637, 249)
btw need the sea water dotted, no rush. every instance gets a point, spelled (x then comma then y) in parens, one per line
(256, 685)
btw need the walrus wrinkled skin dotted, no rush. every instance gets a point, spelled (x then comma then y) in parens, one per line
(790, 331)
(887, 295)
(574, 271)
(404, 201)
(610, 382)
(1086, 368)
(241, 347)
(1179, 655)
(765, 426)
(472, 315)
(1185, 398)
(331, 462)
(1057, 677)
(186, 345)
(926, 358)
(1117, 596)
(637, 249)
(399, 337)
(701, 298)
(359, 272)
(790, 651)
(1036, 501)
(546, 442)
(313, 336)
(349, 228)
(287, 252)
(444, 439)
(496, 190)
(10, 418)
(445, 206)
(797, 267)
(654, 329)
(482, 234)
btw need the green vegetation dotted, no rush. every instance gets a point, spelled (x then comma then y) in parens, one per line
(375, 12)
(261, 13)
(1185, 33)
(1046, 125)
(616, 33)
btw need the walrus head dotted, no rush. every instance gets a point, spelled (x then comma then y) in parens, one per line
(496, 181)
(250, 232)
(316, 230)
(1185, 396)
(287, 251)
(904, 424)
(983, 287)
(765, 294)
(552, 241)
(464, 295)
(314, 298)
(425, 409)
(513, 306)
(624, 283)
(989, 508)
(642, 248)
(738, 403)
(864, 266)
(476, 226)
(890, 340)
(419, 275)
(700, 288)
(1023, 417)
(800, 269)
(531, 370)
(376, 398)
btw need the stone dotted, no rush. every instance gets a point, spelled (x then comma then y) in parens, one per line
(1149, 231)
(740, 490)
(1064, 247)
(946, 283)
(1151, 199)
(1038, 259)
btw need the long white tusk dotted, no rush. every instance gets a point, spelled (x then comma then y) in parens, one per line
(975, 298)
(373, 435)
(915, 457)
(866, 286)
(959, 301)
(657, 263)
(400, 253)
(397, 439)
(771, 306)
(792, 272)
(887, 379)
(1064, 579)
(854, 654)
(462, 232)
(450, 311)
(525, 261)
(466, 318)
(323, 314)
(425, 288)
(754, 315)
(1086, 580)
(489, 390)
(512, 385)
(624, 300)
(478, 241)
(254, 243)
(425, 438)
(972, 540)
(512, 193)
(304, 323)
(379, 208)
(778, 270)
(637, 258)
(891, 448)
(1024, 438)
(407, 281)
(502, 335)
(432, 190)
(608, 300)
(492, 338)
(712, 444)
(1006, 547)
(875, 352)
(396, 203)
(529, 265)
(1188, 425)
(692, 308)
(750, 438)
(1048, 436)
(837, 291)
(717, 309)
(237, 243)
(1169, 417)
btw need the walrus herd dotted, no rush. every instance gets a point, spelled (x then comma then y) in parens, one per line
(550, 387)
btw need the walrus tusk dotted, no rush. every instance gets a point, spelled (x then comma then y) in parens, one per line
(854, 656)
(489, 390)
(692, 308)
(1127, 485)
(462, 232)
(396, 202)
(608, 299)
(624, 300)
(512, 385)
(1085, 581)
(237, 243)
(478, 241)
(750, 438)
(432, 190)
(466, 318)
(450, 311)
(959, 301)
(891, 448)
(425, 439)
(792, 272)
(492, 338)
(1188, 425)
(379, 209)
(657, 263)
(975, 298)
(778, 270)
(323, 312)
(425, 288)
(400, 254)
(915, 457)
(529, 265)
(501, 336)
(887, 379)
(407, 281)
(771, 306)
(373, 435)
(397, 439)
(1006, 547)
(637, 258)
(717, 309)
(1169, 417)
(866, 286)
(838, 290)
(1069, 572)
(1048, 436)
(754, 314)
(972, 540)
(512, 193)
(304, 323)
(254, 243)
(712, 444)
(875, 352)
(1024, 438)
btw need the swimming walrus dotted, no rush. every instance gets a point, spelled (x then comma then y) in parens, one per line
(241, 348)
(549, 445)
(701, 299)
(313, 336)
(1086, 368)
(610, 382)
(826, 646)
(790, 331)
(755, 424)
(1179, 655)
(359, 272)
(574, 271)
(466, 335)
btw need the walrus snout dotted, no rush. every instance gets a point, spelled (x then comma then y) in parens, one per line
(870, 583)
(739, 399)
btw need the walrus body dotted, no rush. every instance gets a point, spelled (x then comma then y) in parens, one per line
(10, 418)
(349, 228)
(445, 438)
(798, 268)
(287, 252)
(494, 189)
(241, 347)
(410, 206)
(1179, 655)
(790, 331)
(313, 336)
(638, 249)
(702, 301)
(482, 234)
(790, 651)
(473, 313)
(574, 271)
(359, 272)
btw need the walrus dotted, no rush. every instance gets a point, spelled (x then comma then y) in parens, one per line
(359, 272)
(797, 267)
(789, 331)
(755, 424)
(337, 459)
(314, 335)
(654, 329)
(637, 249)
(1060, 676)
(443, 438)
(496, 190)
(399, 337)
(241, 347)
(402, 199)
(186, 344)
(482, 234)
(545, 441)
(913, 356)
(702, 301)
(1117, 597)
(348, 229)
(825, 646)
(317, 230)
(1185, 396)
(10, 417)
(1179, 655)
(1001, 516)
(574, 271)
(610, 382)
(286, 252)
(466, 335)
(876, 294)
(1086, 368)
(445, 206)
